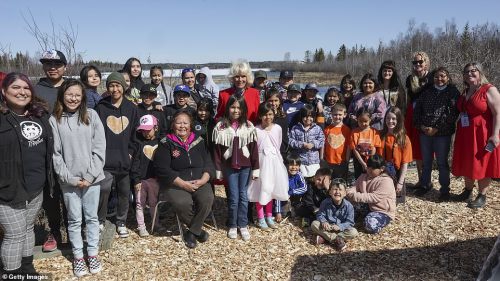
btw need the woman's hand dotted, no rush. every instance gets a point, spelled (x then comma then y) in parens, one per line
(495, 139)
(399, 187)
(189, 187)
(198, 183)
(83, 183)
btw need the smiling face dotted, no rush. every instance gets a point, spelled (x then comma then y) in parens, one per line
(156, 77)
(472, 76)
(240, 81)
(419, 64)
(93, 79)
(368, 86)
(116, 90)
(203, 114)
(310, 94)
(188, 79)
(307, 121)
(18, 94)
(149, 134)
(274, 102)
(333, 98)
(200, 78)
(364, 121)
(135, 69)
(182, 126)
(293, 168)
(181, 99)
(441, 79)
(347, 86)
(338, 116)
(337, 192)
(387, 73)
(73, 98)
(148, 98)
(391, 121)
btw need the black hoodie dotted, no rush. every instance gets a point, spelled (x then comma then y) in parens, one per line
(45, 90)
(119, 127)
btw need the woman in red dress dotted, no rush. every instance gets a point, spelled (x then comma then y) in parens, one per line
(416, 83)
(476, 155)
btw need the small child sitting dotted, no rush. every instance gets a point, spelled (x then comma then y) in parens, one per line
(376, 189)
(297, 187)
(335, 218)
(315, 194)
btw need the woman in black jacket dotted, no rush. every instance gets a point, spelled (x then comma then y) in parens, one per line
(434, 116)
(184, 168)
(26, 148)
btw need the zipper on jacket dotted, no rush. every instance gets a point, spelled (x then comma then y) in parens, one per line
(190, 170)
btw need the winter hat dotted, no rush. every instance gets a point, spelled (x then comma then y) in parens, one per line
(118, 78)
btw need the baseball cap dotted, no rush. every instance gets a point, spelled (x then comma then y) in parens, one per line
(182, 89)
(260, 74)
(311, 86)
(147, 122)
(148, 88)
(53, 55)
(286, 74)
(294, 88)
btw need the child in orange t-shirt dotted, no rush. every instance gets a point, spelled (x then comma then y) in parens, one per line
(337, 135)
(364, 141)
(396, 149)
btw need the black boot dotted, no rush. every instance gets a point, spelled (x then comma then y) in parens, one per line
(465, 196)
(422, 190)
(27, 265)
(479, 202)
(190, 239)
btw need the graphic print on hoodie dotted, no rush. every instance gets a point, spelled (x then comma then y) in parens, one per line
(119, 127)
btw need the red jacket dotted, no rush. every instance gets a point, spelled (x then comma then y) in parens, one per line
(252, 99)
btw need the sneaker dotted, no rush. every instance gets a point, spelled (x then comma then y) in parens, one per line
(79, 267)
(270, 222)
(122, 231)
(94, 264)
(245, 235)
(262, 224)
(143, 232)
(479, 202)
(101, 228)
(50, 244)
(443, 197)
(232, 233)
(339, 244)
(320, 240)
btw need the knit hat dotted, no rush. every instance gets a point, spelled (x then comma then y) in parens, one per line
(260, 74)
(118, 78)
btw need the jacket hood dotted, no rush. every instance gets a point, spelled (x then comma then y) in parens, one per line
(205, 70)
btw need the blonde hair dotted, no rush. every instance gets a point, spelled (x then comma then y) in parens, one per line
(241, 67)
(479, 67)
(425, 57)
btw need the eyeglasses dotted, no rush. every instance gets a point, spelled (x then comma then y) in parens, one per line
(415, 62)
(78, 97)
(472, 71)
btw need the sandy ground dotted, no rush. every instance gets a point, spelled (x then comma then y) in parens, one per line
(427, 241)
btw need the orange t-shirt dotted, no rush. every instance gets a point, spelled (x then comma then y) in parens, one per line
(365, 140)
(336, 143)
(400, 155)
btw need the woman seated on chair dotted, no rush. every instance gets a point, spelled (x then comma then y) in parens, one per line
(183, 168)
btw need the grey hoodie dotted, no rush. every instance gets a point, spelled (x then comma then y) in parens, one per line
(209, 89)
(79, 149)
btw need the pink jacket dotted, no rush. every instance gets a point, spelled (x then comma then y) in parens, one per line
(379, 193)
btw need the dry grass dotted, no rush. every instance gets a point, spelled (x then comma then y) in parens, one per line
(427, 241)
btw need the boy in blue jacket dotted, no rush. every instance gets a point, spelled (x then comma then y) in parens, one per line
(335, 218)
(297, 187)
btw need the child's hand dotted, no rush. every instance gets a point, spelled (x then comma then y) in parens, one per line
(308, 145)
(138, 187)
(326, 226)
(399, 187)
(364, 166)
(159, 107)
(278, 217)
(335, 228)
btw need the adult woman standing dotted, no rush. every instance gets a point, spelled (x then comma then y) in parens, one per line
(26, 148)
(184, 167)
(435, 114)
(478, 131)
(241, 78)
(188, 79)
(416, 83)
(370, 99)
(391, 86)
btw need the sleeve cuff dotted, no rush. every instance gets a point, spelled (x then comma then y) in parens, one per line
(89, 178)
(218, 175)
(256, 173)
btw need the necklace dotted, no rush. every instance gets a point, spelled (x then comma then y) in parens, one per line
(18, 115)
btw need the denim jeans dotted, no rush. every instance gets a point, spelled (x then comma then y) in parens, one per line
(439, 145)
(87, 199)
(238, 199)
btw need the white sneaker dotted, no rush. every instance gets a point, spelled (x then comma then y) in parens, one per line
(122, 231)
(101, 228)
(143, 232)
(232, 233)
(245, 235)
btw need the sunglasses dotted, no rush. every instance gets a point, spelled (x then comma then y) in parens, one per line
(472, 71)
(415, 62)
(187, 70)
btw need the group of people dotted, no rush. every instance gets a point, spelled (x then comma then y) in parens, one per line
(275, 147)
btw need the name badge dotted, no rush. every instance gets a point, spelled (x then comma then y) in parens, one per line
(464, 119)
